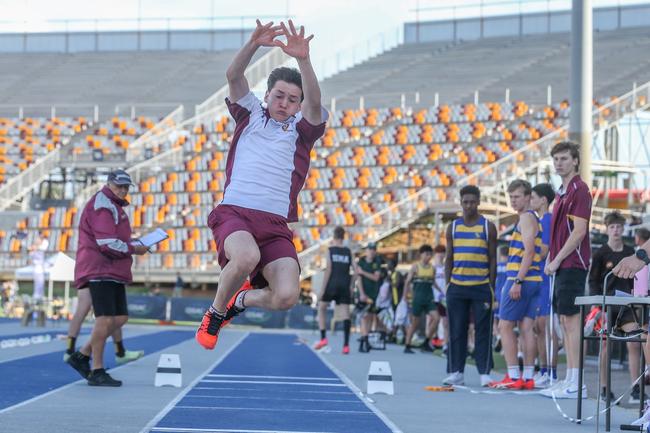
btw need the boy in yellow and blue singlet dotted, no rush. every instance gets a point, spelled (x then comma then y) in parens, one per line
(470, 271)
(519, 304)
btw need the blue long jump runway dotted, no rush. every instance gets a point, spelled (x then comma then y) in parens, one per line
(271, 383)
(29, 377)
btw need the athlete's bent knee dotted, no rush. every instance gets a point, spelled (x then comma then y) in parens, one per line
(286, 300)
(246, 261)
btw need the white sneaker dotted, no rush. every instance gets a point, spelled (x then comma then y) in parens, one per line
(486, 380)
(66, 356)
(542, 380)
(548, 392)
(645, 418)
(456, 378)
(570, 391)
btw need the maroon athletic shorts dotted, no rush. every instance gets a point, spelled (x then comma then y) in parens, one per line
(270, 231)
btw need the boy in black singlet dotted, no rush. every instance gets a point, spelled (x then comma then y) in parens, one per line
(336, 287)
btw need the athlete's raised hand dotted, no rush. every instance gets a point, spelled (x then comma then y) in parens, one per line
(297, 45)
(264, 34)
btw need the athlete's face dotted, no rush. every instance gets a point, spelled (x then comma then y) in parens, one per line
(565, 165)
(283, 100)
(615, 231)
(537, 202)
(519, 200)
(469, 203)
(426, 257)
(438, 258)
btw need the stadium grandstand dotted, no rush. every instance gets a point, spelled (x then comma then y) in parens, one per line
(369, 159)
(465, 101)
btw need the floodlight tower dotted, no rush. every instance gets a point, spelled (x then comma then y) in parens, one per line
(580, 121)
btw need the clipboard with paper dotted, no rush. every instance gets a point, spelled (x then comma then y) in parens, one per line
(153, 238)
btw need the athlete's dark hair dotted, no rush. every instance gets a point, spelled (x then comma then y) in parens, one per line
(470, 189)
(643, 234)
(440, 249)
(545, 190)
(614, 218)
(289, 75)
(339, 233)
(426, 248)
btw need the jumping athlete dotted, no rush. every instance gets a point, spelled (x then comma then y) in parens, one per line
(267, 164)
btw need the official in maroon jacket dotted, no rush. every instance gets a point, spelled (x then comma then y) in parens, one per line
(104, 259)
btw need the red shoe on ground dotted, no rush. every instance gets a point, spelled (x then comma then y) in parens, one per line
(322, 343)
(208, 332)
(522, 384)
(502, 384)
(346, 350)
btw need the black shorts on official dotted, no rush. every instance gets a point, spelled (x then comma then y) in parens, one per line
(569, 284)
(339, 294)
(109, 298)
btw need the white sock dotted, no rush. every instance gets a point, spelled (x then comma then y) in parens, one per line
(574, 375)
(239, 302)
(529, 371)
(513, 371)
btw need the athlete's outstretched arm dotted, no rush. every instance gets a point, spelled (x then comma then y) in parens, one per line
(262, 36)
(297, 46)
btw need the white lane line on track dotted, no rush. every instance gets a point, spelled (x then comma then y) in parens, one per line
(258, 409)
(163, 412)
(274, 382)
(293, 391)
(247, 398)
(336, 379)
(357, 391)
(40, 396)
(212, 430)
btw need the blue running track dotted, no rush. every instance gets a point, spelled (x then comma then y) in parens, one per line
(271, 383)
(25, 378)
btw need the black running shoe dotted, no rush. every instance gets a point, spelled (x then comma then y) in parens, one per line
(364, 345)
(81, 363)
(603, 396)
(99, 377)
(426, 347)
(635, 394)
(407, 349)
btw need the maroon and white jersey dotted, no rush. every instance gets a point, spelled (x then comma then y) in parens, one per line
(268, 160)
(571, 202)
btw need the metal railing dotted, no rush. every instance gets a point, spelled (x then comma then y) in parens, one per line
(137, 149)
(139, 23)
(18, 186)
(513, 165)
(149, 109)
(23, 111)
(516, 163)
(171, 157)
